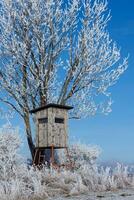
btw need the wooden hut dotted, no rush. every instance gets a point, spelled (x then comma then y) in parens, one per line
(51, 126)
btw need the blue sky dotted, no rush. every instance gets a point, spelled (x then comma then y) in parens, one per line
(113, 133)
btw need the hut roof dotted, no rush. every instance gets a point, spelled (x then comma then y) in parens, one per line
(51, 105)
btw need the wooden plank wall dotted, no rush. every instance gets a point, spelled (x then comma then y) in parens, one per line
(51, 132)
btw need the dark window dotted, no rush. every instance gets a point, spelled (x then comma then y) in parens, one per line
(59, 120)
(43, 120)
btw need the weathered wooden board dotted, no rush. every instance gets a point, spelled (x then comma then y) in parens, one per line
(52, 133)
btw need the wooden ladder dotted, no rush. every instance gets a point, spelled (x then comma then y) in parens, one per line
(39, 158)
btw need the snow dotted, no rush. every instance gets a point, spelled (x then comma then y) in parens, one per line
(125, 194)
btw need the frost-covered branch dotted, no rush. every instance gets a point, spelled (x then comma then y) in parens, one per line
(66, 50)
(58, 52)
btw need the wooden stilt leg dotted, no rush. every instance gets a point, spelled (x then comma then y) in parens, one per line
(39, 158)
(52, 154)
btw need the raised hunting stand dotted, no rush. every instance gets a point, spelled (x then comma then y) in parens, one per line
(51, 132)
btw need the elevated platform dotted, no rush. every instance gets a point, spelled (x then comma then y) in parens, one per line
(46, 156)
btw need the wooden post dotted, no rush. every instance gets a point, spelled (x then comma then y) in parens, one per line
(52, 154)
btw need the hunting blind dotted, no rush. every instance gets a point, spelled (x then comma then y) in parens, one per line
(51, 133)
(51, 125)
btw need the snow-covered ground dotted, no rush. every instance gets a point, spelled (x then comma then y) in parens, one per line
(125, 194)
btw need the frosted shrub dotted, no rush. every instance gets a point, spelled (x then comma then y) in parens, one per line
(9, 157)
(79, 154)
(19, 181)
(16, 180)
(83, 154)
(122, 176)
(9, 163)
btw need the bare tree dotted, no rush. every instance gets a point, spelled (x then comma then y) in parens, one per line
(57, 51)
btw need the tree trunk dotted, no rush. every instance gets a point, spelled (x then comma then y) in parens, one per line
(29, 135)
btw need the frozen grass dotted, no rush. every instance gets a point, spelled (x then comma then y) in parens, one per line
(19, 181)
